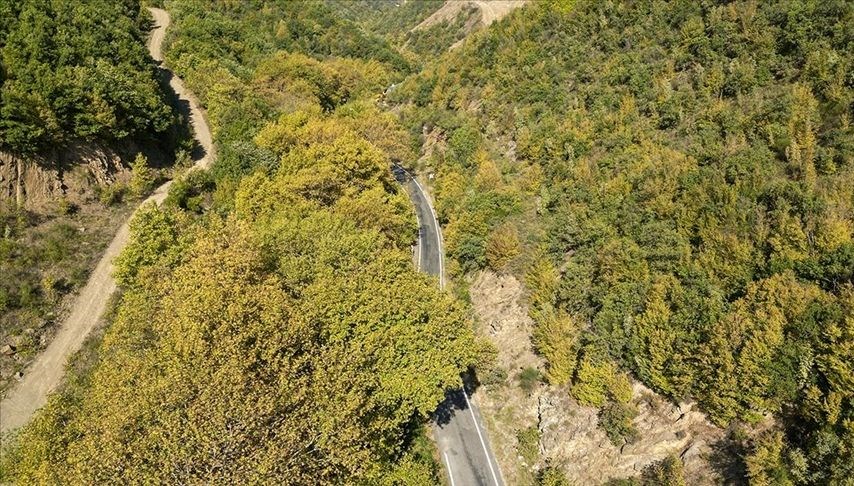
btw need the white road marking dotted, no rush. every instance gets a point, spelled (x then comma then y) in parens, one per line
(448, 467)
(418, 245)
(438, 233)
(482, 442)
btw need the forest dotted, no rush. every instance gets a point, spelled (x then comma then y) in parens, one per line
(92, 82)
(271, 326)
(672, 181)
(675, 182)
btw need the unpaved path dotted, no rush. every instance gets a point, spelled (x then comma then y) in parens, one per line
(46, 372)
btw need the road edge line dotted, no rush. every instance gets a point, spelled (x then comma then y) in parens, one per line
(480, 436)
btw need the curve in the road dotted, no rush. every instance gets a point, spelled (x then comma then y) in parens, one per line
(46, 372)
(459, 432)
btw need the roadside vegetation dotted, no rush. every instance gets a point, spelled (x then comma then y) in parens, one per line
(72, 87)
(674, 181)
(271, 326)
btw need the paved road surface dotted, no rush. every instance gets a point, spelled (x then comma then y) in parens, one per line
(459, 432)
(46, 372)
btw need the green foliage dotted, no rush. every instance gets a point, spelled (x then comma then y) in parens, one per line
(502, 246)
(766, 464)
(142, 177)
(615, 418)
(555, 338)
(68, 75)
(190, 191)
(597, 379)
(529, 378)
(552, 476)
(437, 38)
(528, 444)
(666, 472)
(696, 187)
(156, 242)
(283, 335)
(111, 194)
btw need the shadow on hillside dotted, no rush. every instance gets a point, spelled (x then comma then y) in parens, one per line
(182, 107)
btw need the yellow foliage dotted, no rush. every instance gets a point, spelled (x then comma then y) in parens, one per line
(833, 232)
(541, 280)
(502, 246)
(555, 337)
(488, 175)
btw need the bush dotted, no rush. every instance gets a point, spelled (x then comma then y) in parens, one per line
(502, 246)
(615, 419)
(555, 338)
(142, 177)
(495, 376)
(66, 207)
(667, 472)
(529, 378)
(111, 194)
(552, 476)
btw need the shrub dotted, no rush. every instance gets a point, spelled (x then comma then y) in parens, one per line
(529, 378)
(667, 472)
(615, 419)
(502, 246)
(66, 207)
(142, 177)
(555, 338)
(111, 194)
(494, 376)
(528, 444)
(551, 475)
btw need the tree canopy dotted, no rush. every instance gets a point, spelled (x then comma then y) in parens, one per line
(76, 71)
(683, 178)
(272, 327)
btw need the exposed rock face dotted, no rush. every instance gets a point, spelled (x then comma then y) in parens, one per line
(34, 181)
(570, 436)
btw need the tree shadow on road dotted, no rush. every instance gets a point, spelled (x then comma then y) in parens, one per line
(455, 400)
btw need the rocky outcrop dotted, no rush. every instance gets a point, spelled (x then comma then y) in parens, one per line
(570, 436)
(35, 181)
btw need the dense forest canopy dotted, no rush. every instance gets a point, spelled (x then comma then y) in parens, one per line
(74, 70)
(677, 181)
(673, 181)
(272, 327)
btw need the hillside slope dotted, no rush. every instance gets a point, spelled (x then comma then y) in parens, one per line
(675, 183)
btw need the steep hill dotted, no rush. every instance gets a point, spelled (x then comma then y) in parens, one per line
(675, 182)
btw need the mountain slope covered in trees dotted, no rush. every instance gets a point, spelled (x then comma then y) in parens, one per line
(76, 71)
(673, 180)
(271, 326)
(676, 180)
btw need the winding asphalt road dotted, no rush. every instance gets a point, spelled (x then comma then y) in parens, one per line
(459, 432)
(46, 372)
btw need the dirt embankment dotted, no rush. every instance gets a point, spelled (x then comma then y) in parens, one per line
(491, 11)
(33, 182)
(569, 436)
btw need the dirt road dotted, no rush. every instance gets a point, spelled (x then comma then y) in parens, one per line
(46, 372)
